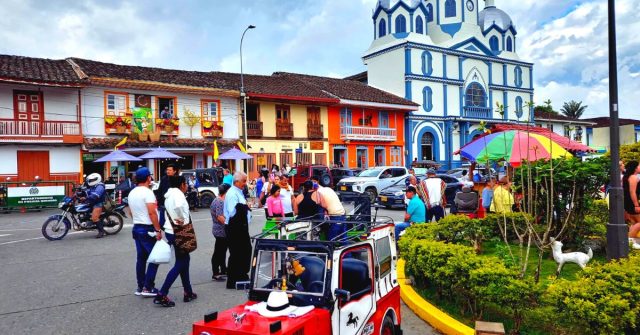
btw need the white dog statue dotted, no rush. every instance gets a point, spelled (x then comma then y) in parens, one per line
(579, 258)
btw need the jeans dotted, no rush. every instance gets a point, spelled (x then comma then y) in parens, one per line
(181, 267)
(161, 216)
(400, 227)
(435, 211)
(145, 274)
(219, 257)
(337, 229)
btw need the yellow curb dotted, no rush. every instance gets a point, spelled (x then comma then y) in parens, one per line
(428, 312)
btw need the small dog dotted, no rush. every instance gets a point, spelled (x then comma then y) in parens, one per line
(579, 258)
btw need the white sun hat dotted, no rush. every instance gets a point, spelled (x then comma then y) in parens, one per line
(277, 305)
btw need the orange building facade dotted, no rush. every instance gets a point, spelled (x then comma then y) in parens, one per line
(366, 136)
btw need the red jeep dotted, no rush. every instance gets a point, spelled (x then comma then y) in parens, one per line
(340, 288)
(302, 173)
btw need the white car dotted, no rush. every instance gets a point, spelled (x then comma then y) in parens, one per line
(370, 182)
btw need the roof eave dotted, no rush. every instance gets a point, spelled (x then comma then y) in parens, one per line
(153, 85)
(291, 98)
(359, 103)
(41, 83)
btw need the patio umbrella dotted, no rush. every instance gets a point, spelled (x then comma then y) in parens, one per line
(234, 154)
(118, 156)
(159, 153)
(513, 146)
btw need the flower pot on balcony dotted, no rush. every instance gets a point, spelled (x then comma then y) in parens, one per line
(121, 129)
(168, 129)
(154, 137)
(144, 136)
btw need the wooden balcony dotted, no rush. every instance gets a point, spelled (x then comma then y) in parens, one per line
(368, 134)
(254, 129)
(315, 131)
(284, 130)
(50, 129)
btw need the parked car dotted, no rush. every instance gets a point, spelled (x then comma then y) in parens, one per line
(457, 172)
(208, 182)
(340, 173)
(393, 196)
(370, 182)
(302, 173)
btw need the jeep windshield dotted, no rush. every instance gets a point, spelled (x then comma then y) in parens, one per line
(297, 272)
(369, 173)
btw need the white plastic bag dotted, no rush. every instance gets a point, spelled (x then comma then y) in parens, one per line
(161, 253)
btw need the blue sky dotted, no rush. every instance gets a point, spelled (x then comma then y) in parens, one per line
(567, 40)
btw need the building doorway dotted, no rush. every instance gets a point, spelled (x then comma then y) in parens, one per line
(361, 158)
(426, 146)
(380, 157)
(32, 164)
(340, 157)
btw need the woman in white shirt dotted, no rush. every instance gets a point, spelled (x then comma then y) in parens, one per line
(177, 209)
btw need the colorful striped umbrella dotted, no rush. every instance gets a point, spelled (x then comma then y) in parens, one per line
(513, 146)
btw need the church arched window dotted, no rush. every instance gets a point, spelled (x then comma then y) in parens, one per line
(427, 63)
(382, 28)
(419, 25)
(426, 147)
(450, 8)
(519, 107)
(429, 13)
(509, 44)
(427, 98)
(475, 95)
(494, 44)
(517, 76)
(401, 24)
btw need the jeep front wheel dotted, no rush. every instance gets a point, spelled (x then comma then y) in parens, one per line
(387, 326)
(206, 199)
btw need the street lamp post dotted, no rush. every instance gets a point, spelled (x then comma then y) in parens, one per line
(617, 231)
(243, 95)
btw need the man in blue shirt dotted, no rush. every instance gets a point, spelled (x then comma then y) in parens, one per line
(487, 194)
(228, 178)
(416, 212)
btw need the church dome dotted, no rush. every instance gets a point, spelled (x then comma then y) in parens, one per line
(492, 15)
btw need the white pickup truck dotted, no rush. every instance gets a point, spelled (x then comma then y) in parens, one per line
(370, 182)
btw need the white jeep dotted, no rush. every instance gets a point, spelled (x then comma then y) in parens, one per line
(370, 182)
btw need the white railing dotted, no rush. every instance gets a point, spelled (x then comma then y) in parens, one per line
(37, 128)
(368, 133)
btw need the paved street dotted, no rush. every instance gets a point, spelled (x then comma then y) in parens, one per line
(81, 285)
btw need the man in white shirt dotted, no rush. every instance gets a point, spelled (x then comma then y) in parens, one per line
(329, 201)
(142, 203)
(434, 188)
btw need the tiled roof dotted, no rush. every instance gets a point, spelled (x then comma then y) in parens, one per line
(41, 70)
(349, 89)
(283, 86)
(219, 80)
(540, 115)
(606, 122)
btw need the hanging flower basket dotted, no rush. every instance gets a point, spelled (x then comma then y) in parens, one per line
(154, 137)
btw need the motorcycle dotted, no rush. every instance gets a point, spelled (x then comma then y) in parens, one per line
(78, 216)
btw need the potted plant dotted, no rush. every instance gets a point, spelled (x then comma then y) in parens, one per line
(155, 136)
(121, 126)
(168, 126)
(109, 121)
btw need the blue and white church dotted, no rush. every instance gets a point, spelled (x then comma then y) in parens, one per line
(457, 59)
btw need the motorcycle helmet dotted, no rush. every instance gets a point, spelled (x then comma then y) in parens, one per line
(93, 179)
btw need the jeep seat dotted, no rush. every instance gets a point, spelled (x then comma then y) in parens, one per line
(312, 278)
(355, 277)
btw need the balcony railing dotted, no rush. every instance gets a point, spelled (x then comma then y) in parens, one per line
(368, 134)
(284, 129)
(254, 129)
(477, 112)
(315, 131)
(38, 128)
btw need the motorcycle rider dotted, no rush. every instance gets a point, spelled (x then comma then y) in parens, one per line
(96, 196)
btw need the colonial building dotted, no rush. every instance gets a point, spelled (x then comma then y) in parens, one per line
(458, 60)
(40, 111)
(571, 129)
(598, 134)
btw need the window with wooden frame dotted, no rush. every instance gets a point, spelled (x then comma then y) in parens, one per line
(116, 103)
(313, 115)
(210, 110)
(166, 107)
(283, 113)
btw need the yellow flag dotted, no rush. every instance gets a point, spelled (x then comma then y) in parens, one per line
(241, 147)
(216, 153)
(121, 143)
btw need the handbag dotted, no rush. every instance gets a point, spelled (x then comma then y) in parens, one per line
(161, 253)
(185, 235)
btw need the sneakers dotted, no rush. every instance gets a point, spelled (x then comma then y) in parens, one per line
(101, 234)
(149, 293)
(219, 277)
(137, 292)
(189, 296)
(163, 301)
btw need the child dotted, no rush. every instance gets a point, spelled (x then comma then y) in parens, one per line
(274, 203)
(252, 193)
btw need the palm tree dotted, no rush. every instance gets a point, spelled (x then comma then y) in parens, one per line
(573, 109)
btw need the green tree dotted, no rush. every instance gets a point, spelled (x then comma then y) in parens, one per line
(573, 109)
